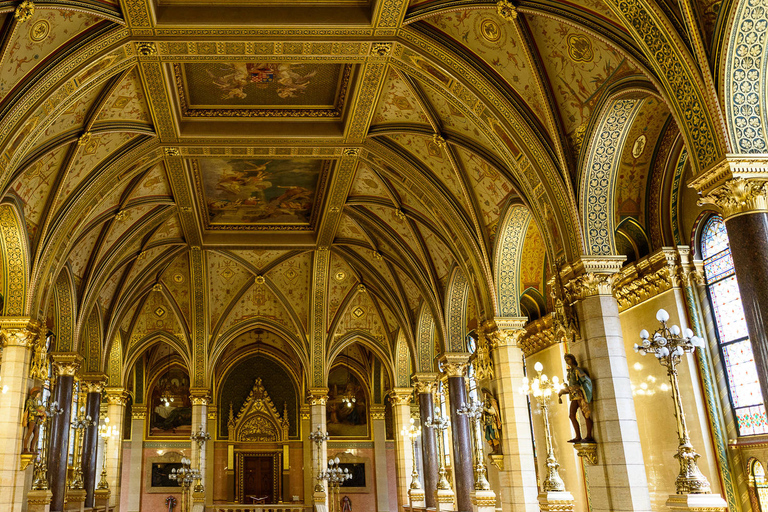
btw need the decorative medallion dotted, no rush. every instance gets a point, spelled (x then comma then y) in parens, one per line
(490, 31)
(639, 146)
(291, 273)
(580, 48)
(178, 278)
(39, 30)
(340, 275)
(160, 312)
(358, 312)
(227, 273)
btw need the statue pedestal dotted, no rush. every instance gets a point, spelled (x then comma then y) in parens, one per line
(483, 501)
(39, 501)
(444, 499)
(416, 497)
(101, 499)
(75, 500)
(697, 502)
(556, 501)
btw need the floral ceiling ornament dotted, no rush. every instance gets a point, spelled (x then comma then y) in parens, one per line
(506, 10)
(24, 11)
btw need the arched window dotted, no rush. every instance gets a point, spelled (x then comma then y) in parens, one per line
(757, 480)
(733, 338)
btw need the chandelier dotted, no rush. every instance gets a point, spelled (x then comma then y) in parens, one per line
(349, 397)
(165, 394)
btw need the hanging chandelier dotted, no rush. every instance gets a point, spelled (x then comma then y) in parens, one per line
(165, 394)
(348, 398)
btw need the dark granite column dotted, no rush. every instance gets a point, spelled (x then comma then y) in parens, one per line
(424, 384)
(454, 365)
(748, 236)
(93, 384)
(65, 366)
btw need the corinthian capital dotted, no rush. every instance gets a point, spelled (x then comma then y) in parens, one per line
(454, 363)
(590, 276)
(736, 185)
(19, 331)
(401, 396)
(116, 396)
(425, 382)
(66, 364)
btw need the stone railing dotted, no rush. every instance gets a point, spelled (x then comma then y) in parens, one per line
(277, 507)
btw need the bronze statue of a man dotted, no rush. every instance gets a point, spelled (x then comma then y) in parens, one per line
(34, 415)
(579, 389)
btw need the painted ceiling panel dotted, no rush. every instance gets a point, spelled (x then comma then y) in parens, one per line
(141, 263)
(397, 103)
(349, 229)
(294, 279)
(411, 290)
(107, 295)
(259, 302)
(226, 278)
(123, 225)
(341, 281)
(73, 116)
(490, 188)
(156, 315)
(81, 253)
(361, 315)
(127, 102)
(368, 183)
(155, 183)
(169, 230)
(532, 261)
(441, 257)
(176, 279)
(387, 215)
(379, 265)
(259, 258)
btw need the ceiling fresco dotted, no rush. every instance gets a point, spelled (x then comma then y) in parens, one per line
(269, 89)
(244, 193)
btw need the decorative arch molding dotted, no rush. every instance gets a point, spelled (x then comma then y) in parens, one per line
(114, 364)
(15, 264)
(403, 365)
(64, 312)
(456, 310)
(90, 347)
(364, 339)
(258, 419)
(509, 255)
(425, 340)
(144, 344)
(598, 181)
(744, 84)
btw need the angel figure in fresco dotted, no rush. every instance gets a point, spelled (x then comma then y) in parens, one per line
(34, 415)
(492, 421)
(233, 83)
(291, 82)
(579, 389)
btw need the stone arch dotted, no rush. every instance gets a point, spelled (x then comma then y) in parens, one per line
(456, 310)
(64, 312)
(509, 252)
(403, 363)
(14, 274)
(598, 180)
(153, 338)
(424, 340)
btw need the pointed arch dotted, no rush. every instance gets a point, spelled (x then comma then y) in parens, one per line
(509, 254)
(14, 274)
(426, 345)
(64, 312)
(403, 366)
(456, 310)
(114, 365)
(598, 179)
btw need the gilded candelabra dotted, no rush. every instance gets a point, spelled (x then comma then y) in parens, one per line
(105, 432)
(81, 422)
(542, 388)
(474, 411)
(440, 424)
(336, 475)
(413, 431)
(669, 345)
(200, 437)
(185, 475)
(319, 437)
(40, 481)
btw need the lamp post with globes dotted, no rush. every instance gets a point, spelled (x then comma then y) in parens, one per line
(444, 494)
(319, 437)
(185, 475)
(669, 344)
(413, 431)
(79, 424)
(336, 475)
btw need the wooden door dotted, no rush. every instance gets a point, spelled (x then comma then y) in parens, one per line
(258, 479)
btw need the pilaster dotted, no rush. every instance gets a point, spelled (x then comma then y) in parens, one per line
(401, 414)
(318, 397)
(380, 457)
(117, 399)
(618, 480)
(200, 398)
(136, 461)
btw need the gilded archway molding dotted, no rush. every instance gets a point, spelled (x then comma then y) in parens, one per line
(457, 298)
(509, 254)
(15, 264)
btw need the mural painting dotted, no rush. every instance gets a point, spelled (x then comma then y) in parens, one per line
(344, 417)
(161, 474)
(170, 405)
(253, 192)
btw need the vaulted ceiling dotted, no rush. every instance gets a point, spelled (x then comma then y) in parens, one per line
(192, 166)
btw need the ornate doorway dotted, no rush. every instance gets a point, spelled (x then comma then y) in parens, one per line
(258, 477)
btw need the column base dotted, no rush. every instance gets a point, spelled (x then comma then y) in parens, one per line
(198, 502)
(697, 502)
(75, 500)
(444, 499)
(556, 501)
(319, 497)
(39, 501)
(101, 499)
(483, 501)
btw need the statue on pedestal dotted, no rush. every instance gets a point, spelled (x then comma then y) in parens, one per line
(492, 421)
(34, 416)
(579, 389)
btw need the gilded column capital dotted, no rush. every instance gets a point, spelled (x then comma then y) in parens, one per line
(116, 396)
(139, 412)
(454, 364)
(590, 276)
(377, 412)
(400, 396)
(93, 382)
(66, 364)
(425, 382)
(317, 396)
(19, 331)
(651, 275)
(199, 396)
(736, 185)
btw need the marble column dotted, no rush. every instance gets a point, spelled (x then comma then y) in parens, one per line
(454, 366)
(199, 398)
(317, 402)
(424, 384)
(379, 428)
(617, 482)
(93, 385)
(738, 187)
(133, 486)
(19, 337)
(117, 399)
(401, 418)
(518, 486)
(65, 365)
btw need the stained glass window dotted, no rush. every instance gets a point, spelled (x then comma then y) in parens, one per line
(757, 477)
(735, 347)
